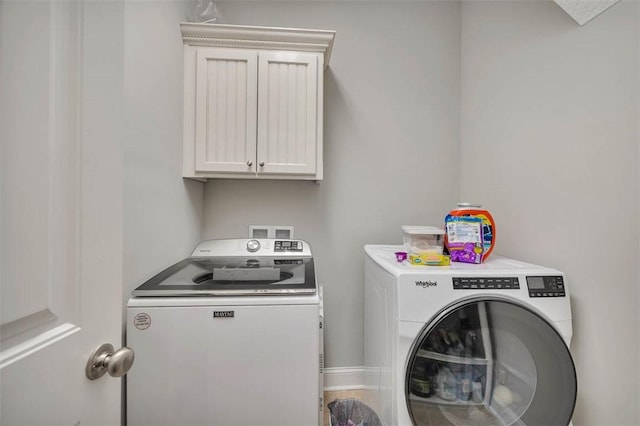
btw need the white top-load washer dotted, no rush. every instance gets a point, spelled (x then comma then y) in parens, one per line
(467, 344)
(231, 335)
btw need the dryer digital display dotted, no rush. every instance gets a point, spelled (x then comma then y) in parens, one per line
(546, 286)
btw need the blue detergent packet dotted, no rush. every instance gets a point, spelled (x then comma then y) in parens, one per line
(464, 238)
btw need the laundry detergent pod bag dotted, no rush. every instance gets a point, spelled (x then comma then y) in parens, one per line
(464, 238)
(488, 230)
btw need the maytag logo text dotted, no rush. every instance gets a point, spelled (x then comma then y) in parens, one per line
(425, 284)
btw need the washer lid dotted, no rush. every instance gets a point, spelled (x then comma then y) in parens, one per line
(238, 267)
(225, 276)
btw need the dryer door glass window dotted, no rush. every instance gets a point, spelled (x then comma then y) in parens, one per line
(490, 362)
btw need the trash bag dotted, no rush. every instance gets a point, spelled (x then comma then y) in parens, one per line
(205, 11)
(352, 412)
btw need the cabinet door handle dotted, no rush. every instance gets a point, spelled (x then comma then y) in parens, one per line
(249, 163)
(262, 164)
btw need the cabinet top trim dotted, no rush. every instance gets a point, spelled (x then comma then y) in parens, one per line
(223, 35)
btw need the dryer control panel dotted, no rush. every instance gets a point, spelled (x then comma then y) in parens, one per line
(486, 283)
(545, 286)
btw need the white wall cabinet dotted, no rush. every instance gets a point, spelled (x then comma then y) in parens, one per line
(254, 101)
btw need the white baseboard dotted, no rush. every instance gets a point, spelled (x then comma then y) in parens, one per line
(343, 378)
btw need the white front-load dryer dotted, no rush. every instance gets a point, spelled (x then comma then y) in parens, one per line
(467, 344)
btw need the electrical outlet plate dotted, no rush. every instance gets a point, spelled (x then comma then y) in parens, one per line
(284, 232)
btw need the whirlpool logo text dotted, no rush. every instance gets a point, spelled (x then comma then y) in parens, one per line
(425, 284)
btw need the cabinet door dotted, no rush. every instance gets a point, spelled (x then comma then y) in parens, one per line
(288, 116)
(226, 104)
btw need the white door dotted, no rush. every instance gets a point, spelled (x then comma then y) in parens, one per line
(288, 122)
(60, 209)
(226, 108)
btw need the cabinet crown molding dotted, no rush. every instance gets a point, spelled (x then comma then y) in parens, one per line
(224, 35)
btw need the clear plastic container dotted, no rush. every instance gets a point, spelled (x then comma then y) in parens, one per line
(423, 240)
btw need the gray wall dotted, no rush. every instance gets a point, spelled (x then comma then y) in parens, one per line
(390, 153)
(420, 96)
(549, 120)
(163, 212)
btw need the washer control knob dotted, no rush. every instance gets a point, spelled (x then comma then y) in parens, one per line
(253, 245)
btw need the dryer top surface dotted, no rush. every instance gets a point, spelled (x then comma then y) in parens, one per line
(384, 255)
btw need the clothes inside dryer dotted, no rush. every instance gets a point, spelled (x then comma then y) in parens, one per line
(490, 362)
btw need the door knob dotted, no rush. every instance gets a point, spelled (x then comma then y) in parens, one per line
(249, 163)
(262, 164)
(104, 360)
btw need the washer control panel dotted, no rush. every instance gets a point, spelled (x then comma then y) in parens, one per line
(243, 247)
(287, 245)
(486, 283)
(546, 286)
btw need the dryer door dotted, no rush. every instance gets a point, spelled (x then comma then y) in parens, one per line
(490, 362)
